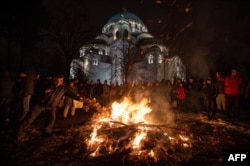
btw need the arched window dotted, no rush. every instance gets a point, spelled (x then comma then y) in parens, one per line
(160, 59)
(86, 64)
(82, 52)
(100, 51)
(125, 33)
(117, 35)
(150, 59)
(95, 62)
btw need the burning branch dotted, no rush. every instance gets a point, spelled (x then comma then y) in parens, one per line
(125, 129)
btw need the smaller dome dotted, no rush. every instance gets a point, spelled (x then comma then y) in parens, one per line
(124, 15)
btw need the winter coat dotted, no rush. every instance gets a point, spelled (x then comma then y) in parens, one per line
(233, 85)
(98, 90)
(181, 93)
(29, 85)
(68, 99)
(209, 92)
(54, 98)
(220, 85)
(106, 91)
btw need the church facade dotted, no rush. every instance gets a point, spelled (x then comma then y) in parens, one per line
(124, 52)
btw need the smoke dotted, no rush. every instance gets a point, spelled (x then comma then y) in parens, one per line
(162, 112)
(198, 63)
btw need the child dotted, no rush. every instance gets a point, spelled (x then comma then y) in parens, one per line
(181, 95)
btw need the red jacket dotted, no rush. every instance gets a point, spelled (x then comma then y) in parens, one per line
(233, 85)
(181, 93)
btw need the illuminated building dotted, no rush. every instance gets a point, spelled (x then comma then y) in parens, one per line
(126, 52)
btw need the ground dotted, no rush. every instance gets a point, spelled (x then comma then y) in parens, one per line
(208, 142)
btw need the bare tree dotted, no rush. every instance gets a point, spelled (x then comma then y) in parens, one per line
(68, 30)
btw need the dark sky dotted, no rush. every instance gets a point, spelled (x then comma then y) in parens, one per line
(205, 34)
(215, 29)
(103, 10)
(214, 13)
(150, 11)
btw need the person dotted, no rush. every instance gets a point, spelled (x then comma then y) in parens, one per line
(48, 103)
(18, 90)
(6, 98)
(68, 102)
(82, 89)
(105, 93)
(113, 93)
(29, 85)
(220, 98)
(192, 95)
(98, 91)
(181, 96)
(209, 94)
(90, 89)
(233, 85)
(174, 93)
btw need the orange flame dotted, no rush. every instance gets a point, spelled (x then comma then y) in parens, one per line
(129, 113)
(139, 137)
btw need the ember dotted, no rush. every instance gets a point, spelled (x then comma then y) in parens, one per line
(103, 140)
(125, 128)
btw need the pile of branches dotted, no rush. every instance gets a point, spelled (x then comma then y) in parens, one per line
(163, 144)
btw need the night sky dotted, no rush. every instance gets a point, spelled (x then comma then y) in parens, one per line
(208, 35)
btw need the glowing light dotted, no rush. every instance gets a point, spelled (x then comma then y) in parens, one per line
(185, 145)
(151, 153)
(183, 138)
(138, 139)
(127, 112)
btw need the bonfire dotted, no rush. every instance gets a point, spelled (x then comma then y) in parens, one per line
(127, 129)
(131, 133)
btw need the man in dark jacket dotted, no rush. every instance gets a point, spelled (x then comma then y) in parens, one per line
(209, 94)
(98, 90)
(49, 102)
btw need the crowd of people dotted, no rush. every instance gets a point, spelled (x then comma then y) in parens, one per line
(22, 100)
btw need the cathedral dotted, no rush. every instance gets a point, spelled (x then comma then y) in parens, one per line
(125, 52)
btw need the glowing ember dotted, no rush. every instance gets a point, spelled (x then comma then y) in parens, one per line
(125, 127)
(138, 139)
(183, 138)
(93, 136)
